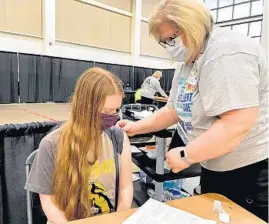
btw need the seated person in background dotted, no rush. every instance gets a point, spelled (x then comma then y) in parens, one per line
(150, 86)
(75, 169)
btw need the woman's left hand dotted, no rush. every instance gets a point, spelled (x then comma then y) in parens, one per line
(174, 160)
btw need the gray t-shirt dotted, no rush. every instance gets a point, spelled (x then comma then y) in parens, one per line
(102, 175)
(150, 86)
(232, 73)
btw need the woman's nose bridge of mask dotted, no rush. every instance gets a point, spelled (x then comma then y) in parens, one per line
(172, 40)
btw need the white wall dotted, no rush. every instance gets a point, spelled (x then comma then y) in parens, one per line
(32, 45)
(50, 47)
(29, 45)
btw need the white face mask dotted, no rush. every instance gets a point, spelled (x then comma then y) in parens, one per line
(178, 51)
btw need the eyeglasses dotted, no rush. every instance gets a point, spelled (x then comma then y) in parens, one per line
(170, 41)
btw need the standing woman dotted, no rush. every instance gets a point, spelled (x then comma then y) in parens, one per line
(219, 98)
(150, 86)
(75, 170)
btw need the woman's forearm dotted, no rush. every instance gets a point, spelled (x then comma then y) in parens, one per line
(223, 137)
(217, 141)
(163, 118)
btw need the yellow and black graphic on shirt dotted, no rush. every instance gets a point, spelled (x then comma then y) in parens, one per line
(102, 168)
(99, 173)
(100, 201)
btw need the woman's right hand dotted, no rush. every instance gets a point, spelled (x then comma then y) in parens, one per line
(161, 119)
(129, 127)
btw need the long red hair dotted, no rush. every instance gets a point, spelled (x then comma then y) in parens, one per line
(79, 143)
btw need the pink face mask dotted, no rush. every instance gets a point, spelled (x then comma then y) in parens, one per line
(108, 120)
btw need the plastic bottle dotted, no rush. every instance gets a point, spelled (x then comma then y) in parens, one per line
(127, 88)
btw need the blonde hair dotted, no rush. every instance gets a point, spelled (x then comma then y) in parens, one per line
(80, 143)
(190, 17)
(157, 74)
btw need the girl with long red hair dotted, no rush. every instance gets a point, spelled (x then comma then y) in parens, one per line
(84, 167)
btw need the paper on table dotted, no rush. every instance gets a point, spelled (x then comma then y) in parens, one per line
(158, 213)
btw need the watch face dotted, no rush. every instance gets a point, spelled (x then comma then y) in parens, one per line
(182, 154)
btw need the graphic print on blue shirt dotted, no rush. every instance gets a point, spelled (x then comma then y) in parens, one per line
(184, 103)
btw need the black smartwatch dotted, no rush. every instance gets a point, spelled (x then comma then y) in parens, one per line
(184, 156)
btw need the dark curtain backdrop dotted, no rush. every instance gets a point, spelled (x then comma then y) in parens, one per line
(44, 93)
(29, 83)
(44, 79)
(65, 73)
(35, 74)
(125, 73)
(8, 77)
(166, 80)
(16, 143)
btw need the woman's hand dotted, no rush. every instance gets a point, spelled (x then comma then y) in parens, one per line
(161, 119)
(174, 160)
(129, 127)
